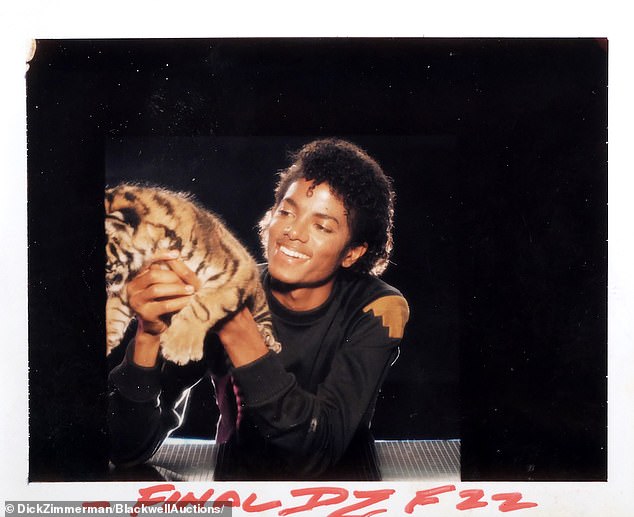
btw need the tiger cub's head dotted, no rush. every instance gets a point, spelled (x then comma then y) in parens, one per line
(138, 222)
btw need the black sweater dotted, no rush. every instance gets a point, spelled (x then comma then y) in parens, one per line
(301, 414)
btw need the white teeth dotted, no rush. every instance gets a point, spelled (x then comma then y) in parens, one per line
(292, 253)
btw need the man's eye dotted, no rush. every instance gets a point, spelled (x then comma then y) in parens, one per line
(323, 228)
(283, 212)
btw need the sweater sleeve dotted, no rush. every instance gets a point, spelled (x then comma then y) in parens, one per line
(314, 429)
(145, 405)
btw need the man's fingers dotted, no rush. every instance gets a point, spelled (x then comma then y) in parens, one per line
(184, 273)
(163, 286)
(154, 310)
(157, 291)
(153, 276)
(158, 261)
(164, 256)
(140, 299)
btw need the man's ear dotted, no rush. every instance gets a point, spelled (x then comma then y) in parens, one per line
(354, 253)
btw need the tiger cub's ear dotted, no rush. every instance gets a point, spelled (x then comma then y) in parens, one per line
(115, 223)
(127, 216)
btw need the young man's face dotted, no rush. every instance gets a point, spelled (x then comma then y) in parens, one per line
(308, 236)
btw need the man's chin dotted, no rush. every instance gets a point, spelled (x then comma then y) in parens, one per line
(282, 284)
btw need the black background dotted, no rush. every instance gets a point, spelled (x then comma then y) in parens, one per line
(498, 152)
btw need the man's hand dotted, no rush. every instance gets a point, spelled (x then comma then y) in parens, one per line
(242, 339)
(163, 287)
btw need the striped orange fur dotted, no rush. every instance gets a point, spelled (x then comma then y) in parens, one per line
(142, 220)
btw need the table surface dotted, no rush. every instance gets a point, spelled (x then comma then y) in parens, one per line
(181, 459)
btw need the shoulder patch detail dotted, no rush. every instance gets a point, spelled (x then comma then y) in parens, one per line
(393, 311)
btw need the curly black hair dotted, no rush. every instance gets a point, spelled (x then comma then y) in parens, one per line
(359, 181)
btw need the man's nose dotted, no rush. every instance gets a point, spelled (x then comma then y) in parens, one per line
(297, 231)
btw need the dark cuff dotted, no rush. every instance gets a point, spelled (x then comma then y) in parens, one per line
(134, 382)
(262, 380)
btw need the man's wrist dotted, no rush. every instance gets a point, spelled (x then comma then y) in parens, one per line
(146, 349)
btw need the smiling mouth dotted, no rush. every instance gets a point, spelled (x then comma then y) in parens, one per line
(292, 253)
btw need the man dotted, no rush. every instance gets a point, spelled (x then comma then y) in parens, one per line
(303, 413)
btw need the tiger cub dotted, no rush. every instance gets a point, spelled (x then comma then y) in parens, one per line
(139, 222)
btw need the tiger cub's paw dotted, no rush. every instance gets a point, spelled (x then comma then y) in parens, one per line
(183, 341)
(112, 341)
(118, 317)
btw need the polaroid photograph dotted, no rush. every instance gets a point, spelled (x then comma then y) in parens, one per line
(317, 276)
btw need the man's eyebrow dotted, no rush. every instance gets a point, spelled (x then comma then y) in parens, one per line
(326, 216)
(290, 201)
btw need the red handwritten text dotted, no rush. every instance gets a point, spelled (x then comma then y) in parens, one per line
(342, 502)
